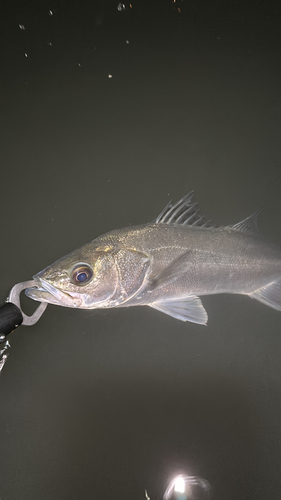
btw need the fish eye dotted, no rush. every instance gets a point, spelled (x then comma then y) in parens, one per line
(82, 274)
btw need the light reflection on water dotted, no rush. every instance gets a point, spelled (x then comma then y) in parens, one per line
(4, 355)
(184, 487)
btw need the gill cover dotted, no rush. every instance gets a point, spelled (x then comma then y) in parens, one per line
(132, 267)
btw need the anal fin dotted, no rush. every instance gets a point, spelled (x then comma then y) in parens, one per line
(185, 309)
(269, 295)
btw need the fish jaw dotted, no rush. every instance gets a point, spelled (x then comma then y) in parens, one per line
(45, 292)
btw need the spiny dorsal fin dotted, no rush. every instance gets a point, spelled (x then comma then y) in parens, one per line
(182, 212)
(250, 224)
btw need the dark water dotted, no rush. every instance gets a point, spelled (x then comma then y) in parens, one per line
(106, 404)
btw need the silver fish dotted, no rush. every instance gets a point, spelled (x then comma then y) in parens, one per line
(166, 264)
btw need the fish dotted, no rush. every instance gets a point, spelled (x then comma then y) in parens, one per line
(167, 264)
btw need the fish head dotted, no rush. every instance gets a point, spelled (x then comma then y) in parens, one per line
(91, 278)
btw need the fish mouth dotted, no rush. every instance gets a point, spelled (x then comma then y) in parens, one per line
(43, 291)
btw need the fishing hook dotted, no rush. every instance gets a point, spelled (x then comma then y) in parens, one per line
(11, 313)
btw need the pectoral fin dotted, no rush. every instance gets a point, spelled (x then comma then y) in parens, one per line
(186, 309)
(171, 273)
(269, 295)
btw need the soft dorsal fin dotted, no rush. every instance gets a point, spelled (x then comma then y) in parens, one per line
(250, 224)
(183, 211)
